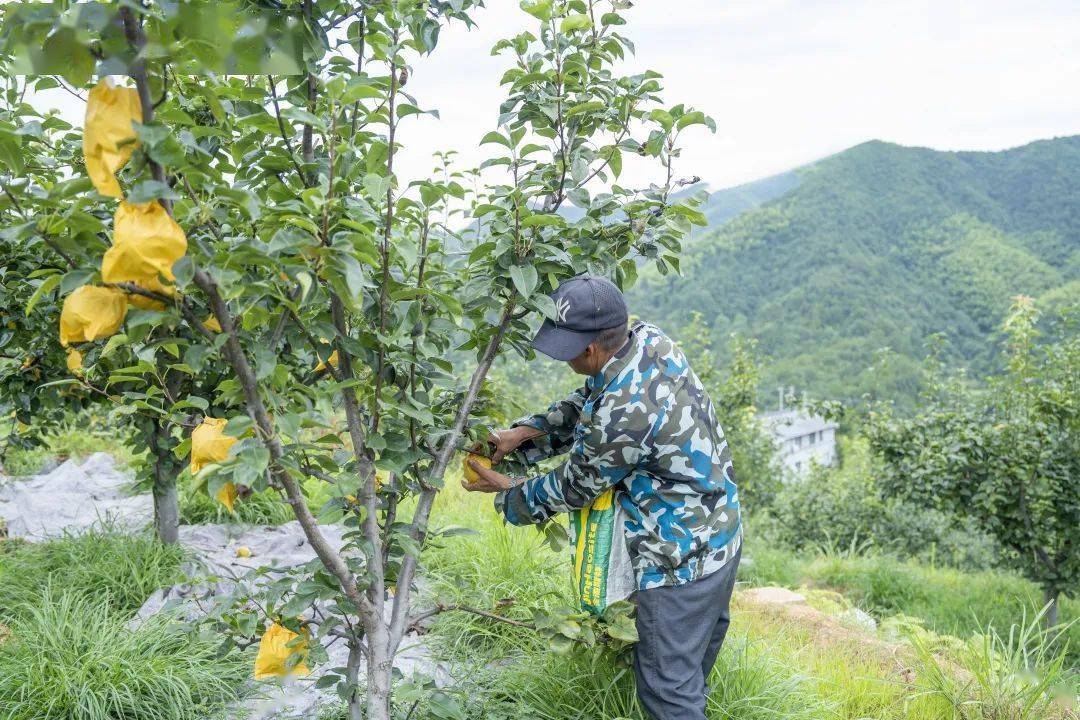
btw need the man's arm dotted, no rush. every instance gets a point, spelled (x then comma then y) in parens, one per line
(555, 427)
(603, 456)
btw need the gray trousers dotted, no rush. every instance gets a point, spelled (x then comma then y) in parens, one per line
(680, 631)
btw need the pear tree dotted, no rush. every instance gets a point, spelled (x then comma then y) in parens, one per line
(329, 320)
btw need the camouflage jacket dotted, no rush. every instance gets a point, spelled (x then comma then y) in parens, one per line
(645, 426)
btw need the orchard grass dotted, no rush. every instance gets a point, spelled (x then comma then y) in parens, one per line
(770, 667)
(72, 656)
(104, 564)
(260, 508)
(947, 601)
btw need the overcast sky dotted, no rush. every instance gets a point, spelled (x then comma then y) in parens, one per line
(790, 81)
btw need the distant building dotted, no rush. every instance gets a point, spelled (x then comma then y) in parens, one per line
(801, 438)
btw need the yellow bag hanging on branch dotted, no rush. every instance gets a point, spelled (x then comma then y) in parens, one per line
(146, 244)
(274, 652)
(210, 444)
(108, 138)
(227, 496)
(90, 313)
(332, 361)
(74, 361)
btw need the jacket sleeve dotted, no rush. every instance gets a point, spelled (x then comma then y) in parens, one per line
(605, 451)
(557, 424)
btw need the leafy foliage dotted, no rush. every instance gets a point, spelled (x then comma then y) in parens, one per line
(845, 507)
(1009, 457)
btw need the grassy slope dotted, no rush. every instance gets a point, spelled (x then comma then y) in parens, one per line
(880, 246)
(770, 668)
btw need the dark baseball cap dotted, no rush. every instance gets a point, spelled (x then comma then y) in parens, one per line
(584, 306)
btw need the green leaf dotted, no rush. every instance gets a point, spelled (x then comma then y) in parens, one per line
(663, 117)
(11, 152)
(75, 278)
(238, 426)
(360, 89)
(524, 278)
(114, 343)
(611, 18)
(539, 9)
(543, 220)
(546, 306)
(572, 23)
(67, 56)
(615, 162)
(585, 107)
(148, 190)
(695, 117)
(50, 282)
(495, 137)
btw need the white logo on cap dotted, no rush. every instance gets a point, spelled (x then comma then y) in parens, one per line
(562, 306)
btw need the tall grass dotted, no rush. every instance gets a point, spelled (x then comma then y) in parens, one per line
(1017, 675)
(105, 563)
(948, 601)
(70, 657)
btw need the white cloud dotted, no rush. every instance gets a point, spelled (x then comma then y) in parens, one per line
(789, 81)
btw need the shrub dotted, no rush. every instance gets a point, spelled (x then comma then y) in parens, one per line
(843, 508)
(70, 656)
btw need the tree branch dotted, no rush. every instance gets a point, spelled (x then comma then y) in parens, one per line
(281, 129)
(329, 556)
(438, 470)
(440, 608)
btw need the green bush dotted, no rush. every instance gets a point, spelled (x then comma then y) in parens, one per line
(843, 507)
(104, 564)
(72, 657)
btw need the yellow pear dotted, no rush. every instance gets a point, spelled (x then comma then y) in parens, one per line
(470, 474)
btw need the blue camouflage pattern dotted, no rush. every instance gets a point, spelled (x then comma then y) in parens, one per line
(645, 426)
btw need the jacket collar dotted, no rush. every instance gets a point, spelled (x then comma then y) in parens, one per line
(617, 362)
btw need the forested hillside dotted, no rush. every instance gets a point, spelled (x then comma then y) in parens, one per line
(881, 246)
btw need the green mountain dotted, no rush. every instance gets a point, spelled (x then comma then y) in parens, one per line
(880, 246)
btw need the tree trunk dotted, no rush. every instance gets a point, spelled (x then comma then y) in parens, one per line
(352, 674)
(1050, 601)
(166, 502)
(379, 663)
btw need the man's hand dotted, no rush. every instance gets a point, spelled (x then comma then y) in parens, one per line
(489, 481)
(506, 441)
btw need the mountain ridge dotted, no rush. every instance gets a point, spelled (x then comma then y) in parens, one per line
(880, 246)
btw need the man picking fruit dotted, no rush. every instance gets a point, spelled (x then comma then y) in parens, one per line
(643, 426)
